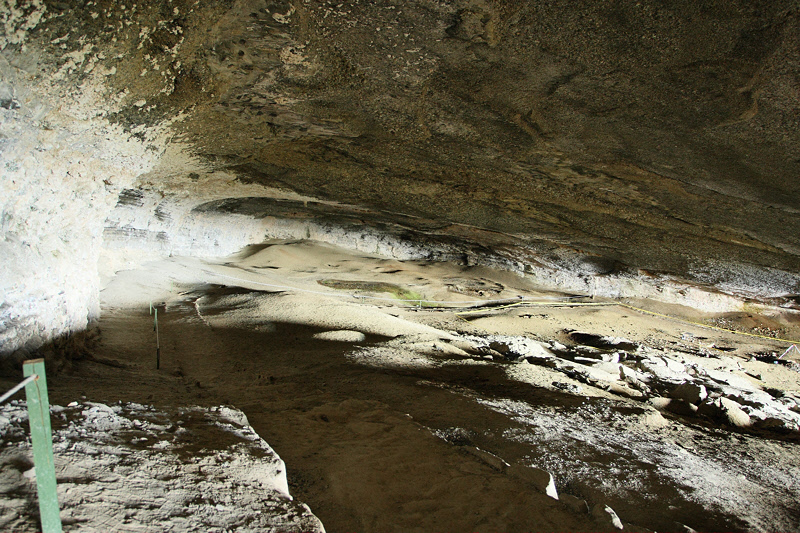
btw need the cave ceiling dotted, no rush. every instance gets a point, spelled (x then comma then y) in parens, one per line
(656, 135)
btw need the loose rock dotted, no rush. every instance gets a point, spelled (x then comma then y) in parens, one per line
(726, 411)
(605, 515)
(689, 392)
(577, 504)
(341, 336)
(540, 479)
(681, 407)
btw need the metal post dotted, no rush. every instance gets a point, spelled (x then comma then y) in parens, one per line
(42, 440)
(158, 346)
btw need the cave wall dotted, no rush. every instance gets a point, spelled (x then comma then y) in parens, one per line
(62, 164)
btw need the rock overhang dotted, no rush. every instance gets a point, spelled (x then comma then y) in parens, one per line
(639, 137)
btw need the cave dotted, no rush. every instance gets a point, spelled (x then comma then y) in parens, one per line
(480, 265)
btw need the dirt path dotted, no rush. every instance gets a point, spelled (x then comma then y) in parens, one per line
(362, 464)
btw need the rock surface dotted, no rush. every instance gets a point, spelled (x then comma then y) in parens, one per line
(567, 138)
(129, 466)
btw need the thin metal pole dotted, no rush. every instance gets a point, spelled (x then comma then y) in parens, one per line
(42, 441)
(789, 349)
(11, 393)
(158, 346)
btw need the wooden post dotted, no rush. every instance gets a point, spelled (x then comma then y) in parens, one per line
(42, 440)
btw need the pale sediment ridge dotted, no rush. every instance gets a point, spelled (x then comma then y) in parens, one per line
(148, 224)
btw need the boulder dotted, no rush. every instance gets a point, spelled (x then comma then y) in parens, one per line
(673, 365)
(775, 424)
(578, 505)
(633, 378)
(540, 479)
(558, 347)
(568, 387)
(734, 414)
(659, 403)
(623, 390)
(657, 368)
(689, 392)
(726, 411)
(723, 378)
(468, 347)
(681, 407)
(500, 347)
(590, 352)
(606, 516)
(652, 419)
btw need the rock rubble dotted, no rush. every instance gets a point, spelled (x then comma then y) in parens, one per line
(722, 394)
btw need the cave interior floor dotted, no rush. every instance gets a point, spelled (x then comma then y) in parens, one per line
(415, 426)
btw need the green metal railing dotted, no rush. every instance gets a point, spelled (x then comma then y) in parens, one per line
(35, 384)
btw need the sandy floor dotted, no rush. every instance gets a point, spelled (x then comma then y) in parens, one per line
(429, 412)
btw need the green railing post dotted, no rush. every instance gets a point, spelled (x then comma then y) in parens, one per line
(42, 440)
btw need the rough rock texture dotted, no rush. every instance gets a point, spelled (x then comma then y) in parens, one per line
(635, 139)
(654, 137)
(62, 162)
(129, 466)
